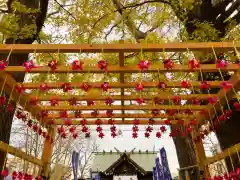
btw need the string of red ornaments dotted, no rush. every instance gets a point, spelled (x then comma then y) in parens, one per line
(19, 175)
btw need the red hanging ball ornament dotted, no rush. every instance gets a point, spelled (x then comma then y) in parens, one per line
(113, 134)
(60, 130)
(29, 65)
(162, 85)
(108, 101)
(90, 103)
(168, 64)
(34, 100)
(102, 65)
(173, 134)
(29, 123)
(3, 100)
(136, 121)
(223, 117)
(53, 65)
(236, 105)
(196, 101)
(105, 86)
(72, 101)
(111, 121)
(35, 127)
(85, 129)
(72, 129)
(101, 135)
(135, 128)
(85, 87)
(20, 114)
(20, 175)
(9, 108)
(113, 128)
(226, 85)
(83, 122)
(3, 65)
(204, 85)
(228, 113)
(185, 84)
(225, 175)
(77, 65)
(221, 63)
(14, 174)
(94, 113)
(109, 113)
(75, 135)
(44, 87)
(163, 129)
(212, 100)
(66, 87)
(63, 114)
(176, 100)
(98, 122)
(158, 134)
(193, 122)
(20, 89)
(149, 129)
(4, 173)
(238, 171)
(167, 122)
(140, 101)
(143, 65)
(147, 134)
(139, 87)
(64, 135)
(134, 135)
(99, 129)
(53, 102)
(78, 114)
(87, 135)
(68, 122)
(193, 64)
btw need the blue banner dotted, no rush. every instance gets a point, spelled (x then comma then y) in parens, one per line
(159, 168)
(155, 174)
(97, 177)
(75, 158)
(166, 170)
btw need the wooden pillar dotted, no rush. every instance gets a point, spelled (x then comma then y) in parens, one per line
(201, 156)
(47, 152)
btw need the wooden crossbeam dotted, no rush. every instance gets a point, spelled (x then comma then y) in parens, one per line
(125, 98)
(57, 85)
(111, 48)
(130, 107)
(123, 69)
(223, 96)
(22, 99)
(226, 153)
(18, 153)
(117, 122)
(101, 115)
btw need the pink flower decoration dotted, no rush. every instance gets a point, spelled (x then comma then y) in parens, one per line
(212, 100)
(3, 65)
(220, 64)
(168, 64)
(226, 85)
(139, 87)
(193, 64)
(76, 65)
(185, 84)
(143, 65)
(204, 85)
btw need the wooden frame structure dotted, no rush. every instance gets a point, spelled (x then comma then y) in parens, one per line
(8, 83)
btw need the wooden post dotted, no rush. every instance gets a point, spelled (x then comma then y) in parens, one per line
(47, 152)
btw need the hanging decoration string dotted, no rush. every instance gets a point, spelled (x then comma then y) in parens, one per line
(215, 55)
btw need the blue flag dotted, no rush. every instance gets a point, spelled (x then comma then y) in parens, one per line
(165, 167)
(160, 174)
(155, 174)
(75, 158)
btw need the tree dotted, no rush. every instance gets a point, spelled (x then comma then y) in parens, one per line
(21, 24)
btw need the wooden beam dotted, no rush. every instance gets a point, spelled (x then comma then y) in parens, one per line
(130, 107)
(117, 122)
(47, 152)
(125, 98)
(9, 87)
(123, 69)
(222, 95)
(101, 115)
(121, 63)
(220, 156)
(18, 153)
(110, 48)
(57, 85)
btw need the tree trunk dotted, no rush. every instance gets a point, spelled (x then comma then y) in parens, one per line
(6, 119)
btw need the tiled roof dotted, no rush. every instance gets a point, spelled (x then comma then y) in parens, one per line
(103, 160)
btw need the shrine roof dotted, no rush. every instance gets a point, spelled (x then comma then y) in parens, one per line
(103, 160)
